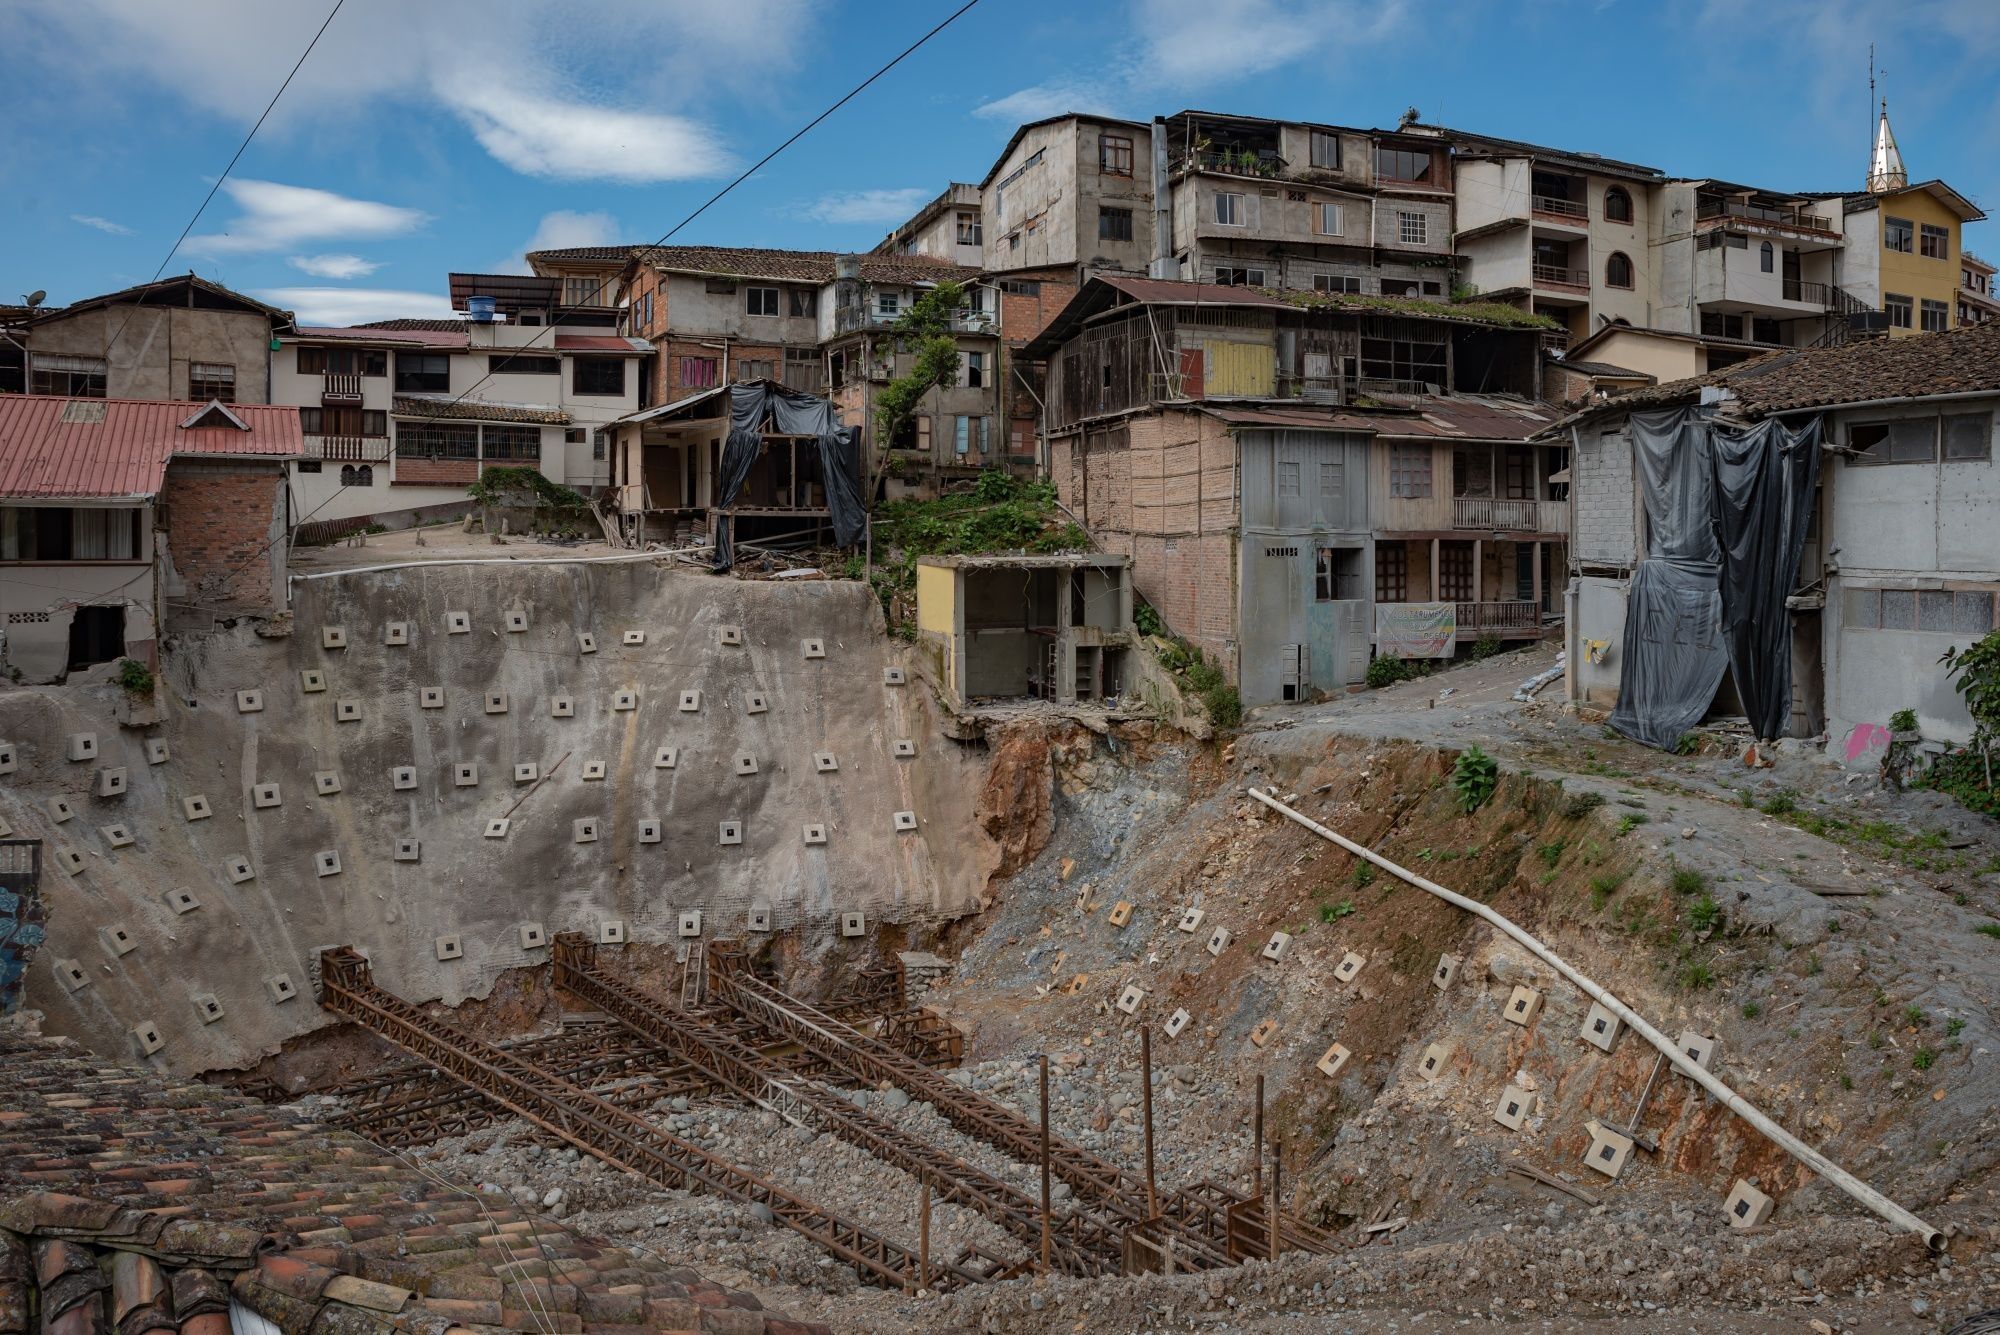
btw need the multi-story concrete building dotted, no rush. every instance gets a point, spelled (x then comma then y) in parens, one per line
(1068, 196)
(1307, 478)
(179, 338)
(403, 416)
(1978, 303)
(1741, 263)
(950, 227)
(1567, 234)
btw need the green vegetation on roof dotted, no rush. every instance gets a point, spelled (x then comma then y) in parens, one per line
(1476, 312)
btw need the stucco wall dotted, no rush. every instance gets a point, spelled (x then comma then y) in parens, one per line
(156, 344)
(1605, 498)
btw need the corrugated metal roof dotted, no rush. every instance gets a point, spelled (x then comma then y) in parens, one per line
(477, 410)
(1467, 417)
(52, 446)
(430, 338)
(600, 343)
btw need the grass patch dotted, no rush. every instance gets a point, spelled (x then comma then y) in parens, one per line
(1688, 882)
(1582, 804)
(1695, 976)
(1924, 1059)
(1991, 929)
(1631, 821)
(1335, 912)
(1605, 886)
(1551, 853)
(1751, 1010)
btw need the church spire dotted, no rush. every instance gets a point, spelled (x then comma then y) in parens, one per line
(1885, 166)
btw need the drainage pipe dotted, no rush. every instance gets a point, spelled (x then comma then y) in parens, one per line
(1736, 1103)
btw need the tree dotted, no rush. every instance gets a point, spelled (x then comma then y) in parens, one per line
(925, 329)
(1975, 674)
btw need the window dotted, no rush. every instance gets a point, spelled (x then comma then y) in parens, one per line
(1766, 258)
(1392, 573)
(1717, 324)
(1936, 242)
(574, 435)
(422, 373)
(1944, 611)
(1228, 209)
(1327, 220)
(1400, 164)
(888, 304)
(975, 370)
(1618, 270)
(719, 287)
(970, 231)
(437, 440)
(1968, 436)
(1021, 287)
(598, 375)
(760, 300)
(1936, 316)
(1114, 155)
(1403, 359)
(1763, 329)
(1336, 574)
(1906, 440)
(646, 313)
(1410, 471)
(320, 360)
(60, 533)
(1326, 150)
(514, 363)
(511, 444)
(1411, 228)
(1013, 240)
(211, 380)
(1336, 282)
(1236, 276)
(1454, 572)
(804, 301)
(698, 372)
(1114, 224)
(1472, 471)
(600, 443)
(343, 422)
(583, 291)
(357, 475)
(755, 368)
(969, 436)
(1288, 478)
(1900, 308)
(1332, 480)
(1617, 205)
(1898, 235)
(76, 377)
(1432, 289)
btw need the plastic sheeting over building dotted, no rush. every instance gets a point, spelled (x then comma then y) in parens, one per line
(797, 414)
(1726, 512)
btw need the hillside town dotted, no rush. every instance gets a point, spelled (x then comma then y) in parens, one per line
(1245, 721)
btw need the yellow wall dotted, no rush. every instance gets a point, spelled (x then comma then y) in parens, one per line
(937, 594)
(1244, 369)
(1666, 358)
(1914, 275)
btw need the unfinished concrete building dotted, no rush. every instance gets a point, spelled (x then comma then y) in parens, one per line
(1000, 628)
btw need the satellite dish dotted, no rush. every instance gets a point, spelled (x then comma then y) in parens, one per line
(37, 297)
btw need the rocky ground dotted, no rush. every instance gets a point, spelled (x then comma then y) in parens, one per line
(1824, 928)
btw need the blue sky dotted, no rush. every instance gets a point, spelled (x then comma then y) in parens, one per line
(454, 134)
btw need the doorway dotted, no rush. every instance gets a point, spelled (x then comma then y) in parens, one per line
(96, 635)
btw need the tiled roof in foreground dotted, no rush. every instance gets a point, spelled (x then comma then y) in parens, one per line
(132, 1204)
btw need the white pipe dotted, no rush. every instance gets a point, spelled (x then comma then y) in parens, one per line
(487, 561)
(1730, 1099)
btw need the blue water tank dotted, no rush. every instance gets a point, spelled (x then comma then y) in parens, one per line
(481, 309)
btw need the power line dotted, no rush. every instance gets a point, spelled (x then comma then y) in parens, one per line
(666, 236)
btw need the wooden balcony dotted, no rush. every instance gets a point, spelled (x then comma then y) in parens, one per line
(341, 387)
(347, 449)
(1494, 515)
(1510, 620)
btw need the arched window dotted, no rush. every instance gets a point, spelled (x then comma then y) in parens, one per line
(347, 475)
(1618, 270)
(1764, 257)
(1617, 205)
(364, 476)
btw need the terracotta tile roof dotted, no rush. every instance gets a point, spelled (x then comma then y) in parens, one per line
(1956, 361)
(187, 284)
(133, 1204)
(600, 343)
(476, 410)
(799, 266)
(585, 254)
(453, 337)
(55, 446)
(413, 322)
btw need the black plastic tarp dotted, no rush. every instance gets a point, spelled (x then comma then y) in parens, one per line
(793, 413)
(1727, 510)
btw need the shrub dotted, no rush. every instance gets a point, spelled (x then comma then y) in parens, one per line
(1385, 671)
(1485, 647)
(1364, 873)
(1474, 776)
(1631, 821)
(1779, 804)
(135, 676)
(1335, 912)
(1903, 720)
(1223, 703)
(1705, 915)
(1687, 744)
(1923, 1060)
(1146, 618)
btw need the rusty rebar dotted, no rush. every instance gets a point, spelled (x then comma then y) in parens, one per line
(1146, 1097)
(1257, 1143)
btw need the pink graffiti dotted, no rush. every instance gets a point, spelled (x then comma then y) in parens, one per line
(1867, 737)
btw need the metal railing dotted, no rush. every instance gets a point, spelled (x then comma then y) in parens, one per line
(1562, 208)
(1558, 276)
(1496, 514)
(341, 385)
(1503, 617)
(1763, 213)
(347, 449)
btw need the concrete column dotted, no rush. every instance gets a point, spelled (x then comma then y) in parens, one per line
(1478, 570)
(1434, 570)
(1537, 547)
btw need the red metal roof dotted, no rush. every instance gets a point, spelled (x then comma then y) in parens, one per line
(52, 446)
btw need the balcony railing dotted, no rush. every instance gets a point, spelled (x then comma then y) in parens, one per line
(347, 449)
(1553, 275)
(341, 385)
(1762, 213)
(1502, 618)
(1236, 162)
(1561, 208)
(1496, 515)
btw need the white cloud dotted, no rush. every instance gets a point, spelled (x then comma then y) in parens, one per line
(564, 89)
(1043, 100)
(334, 266)
(356, 305)
(887, 207)
(561, 230)
(101, 224)
(279, 217)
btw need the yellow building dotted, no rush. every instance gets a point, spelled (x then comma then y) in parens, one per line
(1903, 242)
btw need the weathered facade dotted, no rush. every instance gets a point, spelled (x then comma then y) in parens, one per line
(1056, 628)
(1073, 195)
(179, 338)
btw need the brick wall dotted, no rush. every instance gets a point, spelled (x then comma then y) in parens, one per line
(435, 472)
(224, 524)
(1606, 508)
(1022, 316)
